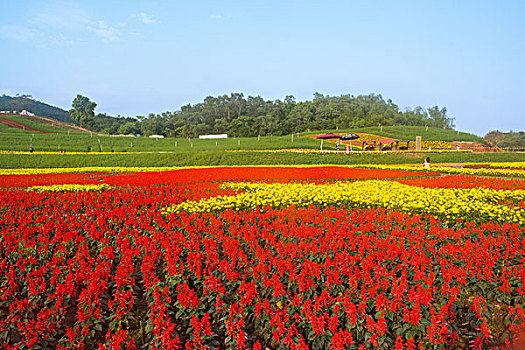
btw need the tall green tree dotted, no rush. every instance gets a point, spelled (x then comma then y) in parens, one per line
(438, 117)
(83, 111)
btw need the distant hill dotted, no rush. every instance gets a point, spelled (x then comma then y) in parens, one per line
(19, 103)
(507, 139)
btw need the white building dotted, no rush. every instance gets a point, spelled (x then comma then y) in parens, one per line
(24, 112)
(218, 136)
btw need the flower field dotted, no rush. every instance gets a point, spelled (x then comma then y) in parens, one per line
(261, 258)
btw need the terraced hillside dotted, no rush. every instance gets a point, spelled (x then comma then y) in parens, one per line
(18, 123)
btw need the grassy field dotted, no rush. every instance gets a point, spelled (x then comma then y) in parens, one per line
(181, 151)
(240, 158)
(19, 140)
(85, 142)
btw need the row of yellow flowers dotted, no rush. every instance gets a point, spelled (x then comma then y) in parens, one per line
(356, 150)
(450, 204)
(435, 144)
(68, 188)
(34, 171)
(513, 165)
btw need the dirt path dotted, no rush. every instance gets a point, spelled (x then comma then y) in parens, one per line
(57, 123)
(18, 125)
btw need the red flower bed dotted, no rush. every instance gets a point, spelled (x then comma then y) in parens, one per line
(47, 179)
(209, 174)
(107, 270)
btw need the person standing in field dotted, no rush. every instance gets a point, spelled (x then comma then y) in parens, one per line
(31, 148)
(426, 164)
(337, 146)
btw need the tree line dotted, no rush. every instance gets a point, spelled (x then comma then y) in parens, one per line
(507, 139)
(238, 115)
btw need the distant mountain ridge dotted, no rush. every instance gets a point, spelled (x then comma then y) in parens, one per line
(19, 103)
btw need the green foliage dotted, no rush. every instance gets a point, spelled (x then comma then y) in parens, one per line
(253, 116)
(507, 140)
(105, 124)
(19, 103)
(83, 111)
(209, 158)
(438, 118)
(129, 128)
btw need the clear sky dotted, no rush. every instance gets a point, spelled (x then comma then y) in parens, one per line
(140, 57)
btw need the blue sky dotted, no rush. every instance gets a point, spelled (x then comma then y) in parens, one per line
(140, 57)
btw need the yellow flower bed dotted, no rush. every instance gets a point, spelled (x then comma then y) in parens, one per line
(34, 171)
(435, 144)
(356, 150)
(515, 165)
(473, 204)
(281, 150)
(483, 172)
(68, 188)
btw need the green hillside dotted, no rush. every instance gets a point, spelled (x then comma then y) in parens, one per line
(19, 103)
(43, 124)
(515, 140)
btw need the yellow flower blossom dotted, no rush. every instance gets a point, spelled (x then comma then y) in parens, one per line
(68, 188)
(474, 204)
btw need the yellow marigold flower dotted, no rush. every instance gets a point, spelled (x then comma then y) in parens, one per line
(477, 203)
(68, 188)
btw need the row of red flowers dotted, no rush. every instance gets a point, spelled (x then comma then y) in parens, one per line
(211, 174)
